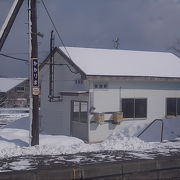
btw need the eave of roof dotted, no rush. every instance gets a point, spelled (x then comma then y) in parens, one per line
(135, 78)
(74, 93)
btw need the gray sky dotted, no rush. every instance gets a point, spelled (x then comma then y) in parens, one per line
(151, 25)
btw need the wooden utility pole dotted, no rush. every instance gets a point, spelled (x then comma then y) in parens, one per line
(34, 74)
(33, 62)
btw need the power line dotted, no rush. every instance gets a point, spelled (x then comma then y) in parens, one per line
(55, 28)
(25, 60)
(12, 57)
(25, 53)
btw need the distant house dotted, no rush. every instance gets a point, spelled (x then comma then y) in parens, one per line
(14, 92)
(88, 92)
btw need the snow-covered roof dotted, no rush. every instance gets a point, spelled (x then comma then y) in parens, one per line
(8, 83)
(111, 62)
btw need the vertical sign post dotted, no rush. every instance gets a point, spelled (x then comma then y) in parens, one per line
(34, 85)
(35, 76)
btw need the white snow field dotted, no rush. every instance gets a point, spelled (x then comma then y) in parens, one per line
(14, 141)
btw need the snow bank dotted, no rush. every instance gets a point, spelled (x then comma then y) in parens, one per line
(118, 141)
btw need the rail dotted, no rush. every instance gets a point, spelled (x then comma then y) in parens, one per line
(162, 128)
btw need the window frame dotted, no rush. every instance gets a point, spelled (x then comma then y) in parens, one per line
(134, 108)
(79, 112)
(20, 90)
(176, 107)
(100, 85)
(79, 82)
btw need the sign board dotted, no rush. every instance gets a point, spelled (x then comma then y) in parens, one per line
(35, 90)
(35, 76)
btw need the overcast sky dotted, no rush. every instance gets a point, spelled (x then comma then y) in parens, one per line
(151, 25)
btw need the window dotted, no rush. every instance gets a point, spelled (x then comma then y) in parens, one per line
(128, 108)
(173, 106)
(20, 89)
(76, 110)
(78, 81)
(80, 111)
(134, 108)
(140, 108)
(83, 112)
(100, 85)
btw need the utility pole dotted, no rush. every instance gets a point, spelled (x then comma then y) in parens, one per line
(34, 74)
(33, 61)
(51, 69)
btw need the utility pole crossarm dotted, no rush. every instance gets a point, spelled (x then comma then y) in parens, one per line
(4, 31)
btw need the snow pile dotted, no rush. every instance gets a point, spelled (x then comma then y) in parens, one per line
(14, 140)
(119, 141)
(130, 128)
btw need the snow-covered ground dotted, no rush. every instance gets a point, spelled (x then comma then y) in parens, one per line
(14, 141)
(8, 115)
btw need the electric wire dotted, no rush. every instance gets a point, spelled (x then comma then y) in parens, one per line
(45, 7)
(12, 57)
(25, 53)
(25, 60)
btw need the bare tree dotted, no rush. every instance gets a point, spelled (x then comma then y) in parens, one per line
(175, 48)
(116, 43)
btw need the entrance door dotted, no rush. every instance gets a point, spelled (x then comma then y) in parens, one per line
(79, 119)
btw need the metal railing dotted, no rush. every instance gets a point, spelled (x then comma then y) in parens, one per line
(162, 128)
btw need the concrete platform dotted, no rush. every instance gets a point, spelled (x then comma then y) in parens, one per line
(115, 165)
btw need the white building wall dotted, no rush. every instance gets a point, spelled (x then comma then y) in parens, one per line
(55, 116)
(106, 100)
